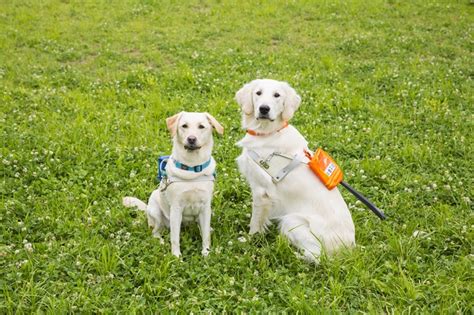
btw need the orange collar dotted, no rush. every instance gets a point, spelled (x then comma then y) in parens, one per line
(255, 133)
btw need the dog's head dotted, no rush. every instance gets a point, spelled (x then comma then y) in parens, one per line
(193, 131)
(267, 103)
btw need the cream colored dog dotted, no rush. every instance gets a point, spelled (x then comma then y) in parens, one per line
(185, 194)
(312, 217)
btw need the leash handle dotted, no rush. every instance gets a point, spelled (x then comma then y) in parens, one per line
(364, 200)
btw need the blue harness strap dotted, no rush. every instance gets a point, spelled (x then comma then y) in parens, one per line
(162, 161)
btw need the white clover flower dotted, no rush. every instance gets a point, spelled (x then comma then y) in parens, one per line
(29, 247)
(242, 239)
(420, 234)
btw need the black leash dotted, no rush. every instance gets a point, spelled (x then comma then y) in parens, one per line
(364, 200)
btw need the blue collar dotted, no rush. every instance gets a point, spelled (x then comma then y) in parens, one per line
(195, 169)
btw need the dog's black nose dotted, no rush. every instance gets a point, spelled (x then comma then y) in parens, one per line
(264, 109)
(192, 140)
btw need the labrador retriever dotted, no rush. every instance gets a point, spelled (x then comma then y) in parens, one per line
(185, 194)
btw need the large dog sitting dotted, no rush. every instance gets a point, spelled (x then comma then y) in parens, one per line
(185, 194)
(312, 217)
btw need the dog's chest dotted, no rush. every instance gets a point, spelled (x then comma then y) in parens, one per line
(194, 201)
(190, 200)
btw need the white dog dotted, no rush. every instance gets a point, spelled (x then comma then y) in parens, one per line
(312, 217)
(185, 194)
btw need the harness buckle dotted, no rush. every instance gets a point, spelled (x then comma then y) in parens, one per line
(264, 164)
(198, 168)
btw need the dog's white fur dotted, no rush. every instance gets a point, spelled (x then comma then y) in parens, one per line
(184, 201)
(312, 217)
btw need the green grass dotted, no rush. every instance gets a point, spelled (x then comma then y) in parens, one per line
(85, 89)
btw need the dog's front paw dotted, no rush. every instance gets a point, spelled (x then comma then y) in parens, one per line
(205, 252)
(176, 253)
(256, 229)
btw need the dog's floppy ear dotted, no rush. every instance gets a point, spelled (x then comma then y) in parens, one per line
(214, 123)
(172, 123)
(244, 97)
(292, 102)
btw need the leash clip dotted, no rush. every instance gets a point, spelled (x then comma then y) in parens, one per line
(165, 182)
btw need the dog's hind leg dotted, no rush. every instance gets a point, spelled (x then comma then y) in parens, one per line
(298, 231)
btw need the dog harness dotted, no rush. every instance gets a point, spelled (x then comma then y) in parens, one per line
(166, 180)
(277, 165)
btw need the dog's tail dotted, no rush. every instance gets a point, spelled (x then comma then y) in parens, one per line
(134, 202)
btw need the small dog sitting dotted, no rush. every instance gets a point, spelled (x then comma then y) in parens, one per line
(185, 194)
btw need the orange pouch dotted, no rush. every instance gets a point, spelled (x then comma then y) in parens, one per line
(326, 169)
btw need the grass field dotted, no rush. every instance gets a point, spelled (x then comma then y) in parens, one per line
(85, 87)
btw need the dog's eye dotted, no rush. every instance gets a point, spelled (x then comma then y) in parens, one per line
(276, 95)
(259, 93)
(201, 127)
(185, 126)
